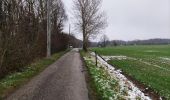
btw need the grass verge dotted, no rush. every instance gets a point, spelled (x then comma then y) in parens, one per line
(102, 83)
(17, 79)
(89, 81)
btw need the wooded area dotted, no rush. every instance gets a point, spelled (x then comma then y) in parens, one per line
(23, 27)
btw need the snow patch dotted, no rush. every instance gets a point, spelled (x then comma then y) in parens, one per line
(147, 63)
(151, 51)
(133, 91)
(107, 58)
(165, 58)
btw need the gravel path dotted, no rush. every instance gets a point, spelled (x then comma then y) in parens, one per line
(62, 80)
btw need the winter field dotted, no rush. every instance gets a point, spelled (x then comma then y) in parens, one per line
(150, 65)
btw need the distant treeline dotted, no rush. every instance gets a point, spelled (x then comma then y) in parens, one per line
(134, 42)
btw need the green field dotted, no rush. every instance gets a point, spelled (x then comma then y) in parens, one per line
(148, 64)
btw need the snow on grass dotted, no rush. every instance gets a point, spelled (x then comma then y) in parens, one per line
(165, 58)
(106, 86)
(121, 57)
(147, 63)
(107, 58)
(132, 91)
(151, 51)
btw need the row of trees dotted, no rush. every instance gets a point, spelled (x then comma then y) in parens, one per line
(23, 32)
(105, 42)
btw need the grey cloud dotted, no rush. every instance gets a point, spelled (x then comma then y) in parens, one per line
(134, 19)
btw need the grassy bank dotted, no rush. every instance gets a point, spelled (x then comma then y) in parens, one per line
(17, 79)
(102, 83)
(148, 64)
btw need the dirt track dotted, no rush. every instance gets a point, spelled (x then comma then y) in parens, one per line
(62, 80)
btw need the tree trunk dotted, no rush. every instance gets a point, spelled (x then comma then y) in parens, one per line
(84, 44)
(84, 47)
(84, 38)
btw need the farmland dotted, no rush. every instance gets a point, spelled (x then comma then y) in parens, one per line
(148, 64)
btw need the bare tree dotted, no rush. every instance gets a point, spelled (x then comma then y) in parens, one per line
(58, 16)
(89, 19)
(104, 40)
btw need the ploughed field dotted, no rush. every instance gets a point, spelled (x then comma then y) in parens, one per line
(148, 64)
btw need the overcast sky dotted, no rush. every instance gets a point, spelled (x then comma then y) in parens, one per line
(132, 19)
